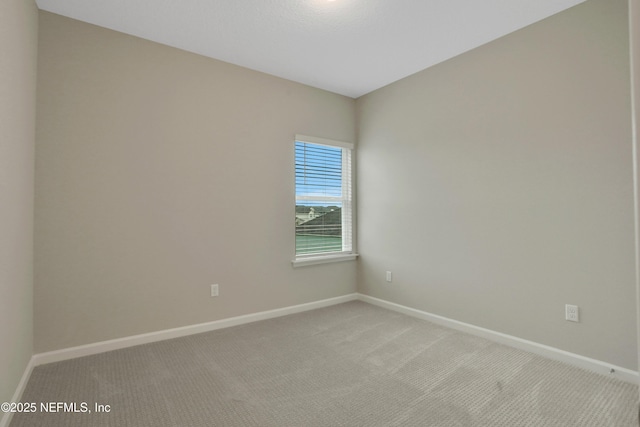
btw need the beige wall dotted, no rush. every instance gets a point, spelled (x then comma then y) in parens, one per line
(159, 172)
(18, 53)
(634, 37)
(497, 186)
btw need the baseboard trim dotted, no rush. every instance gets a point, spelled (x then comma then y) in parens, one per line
(6, 419)
(577, 360)
(116, 344)
(583, 362)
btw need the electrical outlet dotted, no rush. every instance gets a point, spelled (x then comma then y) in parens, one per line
(388, 276)
(571, 313)
(214, 290)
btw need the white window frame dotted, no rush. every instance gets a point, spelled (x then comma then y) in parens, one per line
(346, 200)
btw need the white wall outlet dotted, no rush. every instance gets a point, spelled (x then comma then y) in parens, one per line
(571, 313)
(388, 276)
(214, 290)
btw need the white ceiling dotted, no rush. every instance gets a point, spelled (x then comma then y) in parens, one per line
(349, 47)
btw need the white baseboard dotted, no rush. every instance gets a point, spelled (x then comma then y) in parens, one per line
(533, 347)
(553, 353)
(6, 419)
(103, 346)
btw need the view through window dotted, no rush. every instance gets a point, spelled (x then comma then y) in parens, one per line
(323, 198)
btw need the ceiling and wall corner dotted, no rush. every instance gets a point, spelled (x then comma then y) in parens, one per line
(350, 47)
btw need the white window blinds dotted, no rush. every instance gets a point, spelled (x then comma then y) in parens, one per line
(324, 207)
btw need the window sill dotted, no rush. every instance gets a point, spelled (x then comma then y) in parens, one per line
(322, 259)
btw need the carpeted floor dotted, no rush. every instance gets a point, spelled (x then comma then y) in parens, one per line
(353, 364)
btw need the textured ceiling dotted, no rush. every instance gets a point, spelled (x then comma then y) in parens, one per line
(349, 47)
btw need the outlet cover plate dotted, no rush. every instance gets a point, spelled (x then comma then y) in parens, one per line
(571, 313)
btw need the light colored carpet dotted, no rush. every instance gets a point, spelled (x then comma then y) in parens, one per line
(353, 364)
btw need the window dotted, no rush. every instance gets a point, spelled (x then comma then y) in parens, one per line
(324, 205)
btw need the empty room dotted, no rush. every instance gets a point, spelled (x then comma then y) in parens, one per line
(319, 213)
